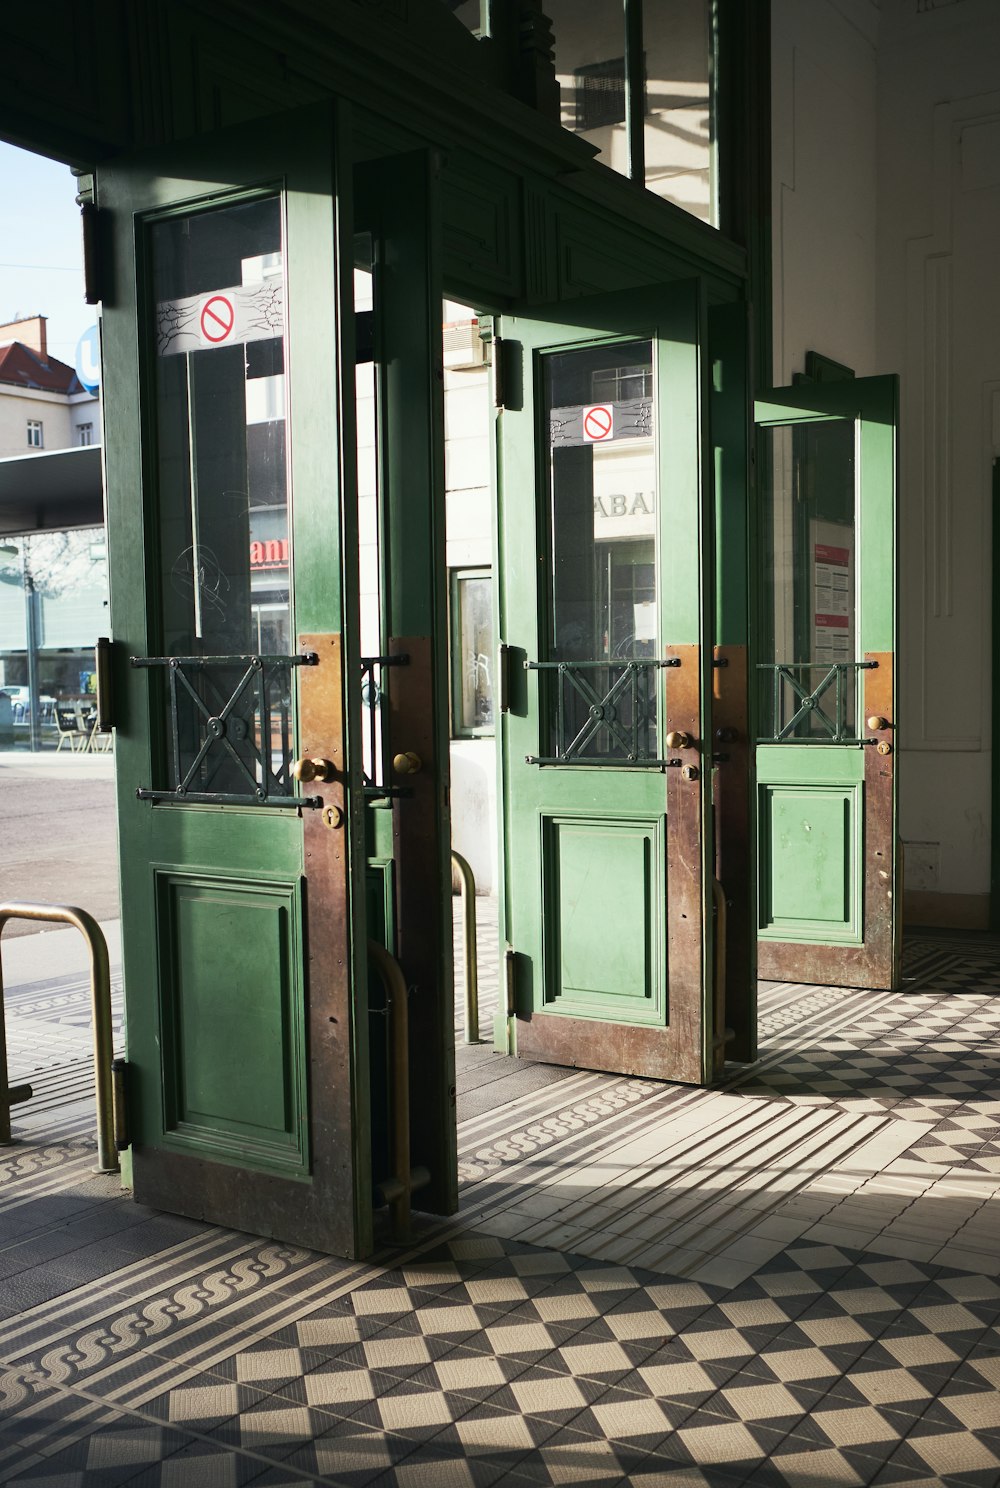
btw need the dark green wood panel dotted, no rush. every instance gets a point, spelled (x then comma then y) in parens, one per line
(810, 849)
(603, 925)
(233, 1040)
(481, 226)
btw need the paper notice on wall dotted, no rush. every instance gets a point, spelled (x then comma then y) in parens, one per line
(833, 592)
(644, 621)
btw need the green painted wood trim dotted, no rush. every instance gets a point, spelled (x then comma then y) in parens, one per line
(817, 764)
(995, 809)
(731, 417)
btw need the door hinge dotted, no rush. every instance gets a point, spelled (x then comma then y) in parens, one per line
(499, 372)
(102, 671)
(123, 1138)
(90, 222)
(507, 380)
(510, 979)
(503, 677)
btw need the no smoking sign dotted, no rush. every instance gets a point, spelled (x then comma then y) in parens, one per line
(598, 423)
(218, 316)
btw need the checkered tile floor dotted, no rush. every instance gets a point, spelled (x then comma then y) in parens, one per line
(149, 1350)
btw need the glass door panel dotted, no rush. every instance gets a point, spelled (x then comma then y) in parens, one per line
(826, 744)
(217, 286)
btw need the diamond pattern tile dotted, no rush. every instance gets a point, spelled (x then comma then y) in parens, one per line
(844, 1332)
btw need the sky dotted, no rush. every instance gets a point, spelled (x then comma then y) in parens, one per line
(41, 258)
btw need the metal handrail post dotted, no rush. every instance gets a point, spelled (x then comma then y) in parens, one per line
(470, 949)
(100, 999)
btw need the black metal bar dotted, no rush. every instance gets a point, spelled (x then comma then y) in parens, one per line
(647, 663)
(220, 798)
(303, 658)
(175, 722)
(835, 675)
(603, 760)
(402, 659)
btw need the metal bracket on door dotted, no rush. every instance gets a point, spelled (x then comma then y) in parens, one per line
(234, 730)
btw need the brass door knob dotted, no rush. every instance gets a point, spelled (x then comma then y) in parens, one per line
(304, 770)
(406, 764)
(677, 739)
(878, 722)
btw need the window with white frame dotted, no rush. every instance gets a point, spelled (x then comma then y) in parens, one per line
(84, 433)
(35, 440)
(471, 653)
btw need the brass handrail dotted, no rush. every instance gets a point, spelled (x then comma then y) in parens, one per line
(470, 948)
(100, 997)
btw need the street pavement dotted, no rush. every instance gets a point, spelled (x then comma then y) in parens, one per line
(58, 833)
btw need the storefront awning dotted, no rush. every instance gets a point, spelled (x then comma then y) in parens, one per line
(54, 489)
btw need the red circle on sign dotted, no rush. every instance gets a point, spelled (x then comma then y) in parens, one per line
(597, 423)
(217, 318)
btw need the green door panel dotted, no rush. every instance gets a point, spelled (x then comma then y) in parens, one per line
(810, 850)
(603, 926)
(232, 1027)
(826, 602)
(604, 587)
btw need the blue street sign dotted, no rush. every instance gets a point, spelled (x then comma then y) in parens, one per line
(88, 360)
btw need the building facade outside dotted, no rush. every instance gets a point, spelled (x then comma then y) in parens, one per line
(53, 583)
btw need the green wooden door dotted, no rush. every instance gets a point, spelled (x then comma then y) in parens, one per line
(603, 605)
(225, 376)
(826, 605)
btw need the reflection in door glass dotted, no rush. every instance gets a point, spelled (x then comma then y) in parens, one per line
(672, 147)
(808, 668)
(601, 664)
(374, 676)
(218, 329)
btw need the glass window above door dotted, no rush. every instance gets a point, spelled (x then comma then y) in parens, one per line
(639, 82)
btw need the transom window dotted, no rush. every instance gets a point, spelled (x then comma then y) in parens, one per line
(638, 79)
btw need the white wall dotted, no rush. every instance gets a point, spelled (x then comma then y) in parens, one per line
(823, 222)
(939, 323)
(886, 156)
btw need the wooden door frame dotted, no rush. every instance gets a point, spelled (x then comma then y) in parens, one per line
(399, 202)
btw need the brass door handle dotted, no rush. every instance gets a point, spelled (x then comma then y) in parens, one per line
(304, 770)
(878, 722)
(407, 763)
(677, 739)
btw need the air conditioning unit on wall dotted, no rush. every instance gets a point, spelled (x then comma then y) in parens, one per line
(464, 350)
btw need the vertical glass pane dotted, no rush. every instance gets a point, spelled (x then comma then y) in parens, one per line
(374, 677)
(472, 657)
(808, 671)
(590, 67)
(602, 501)
(679, 134)
(218, 290)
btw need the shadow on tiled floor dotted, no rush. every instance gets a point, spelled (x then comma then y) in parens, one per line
(791, 1280)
